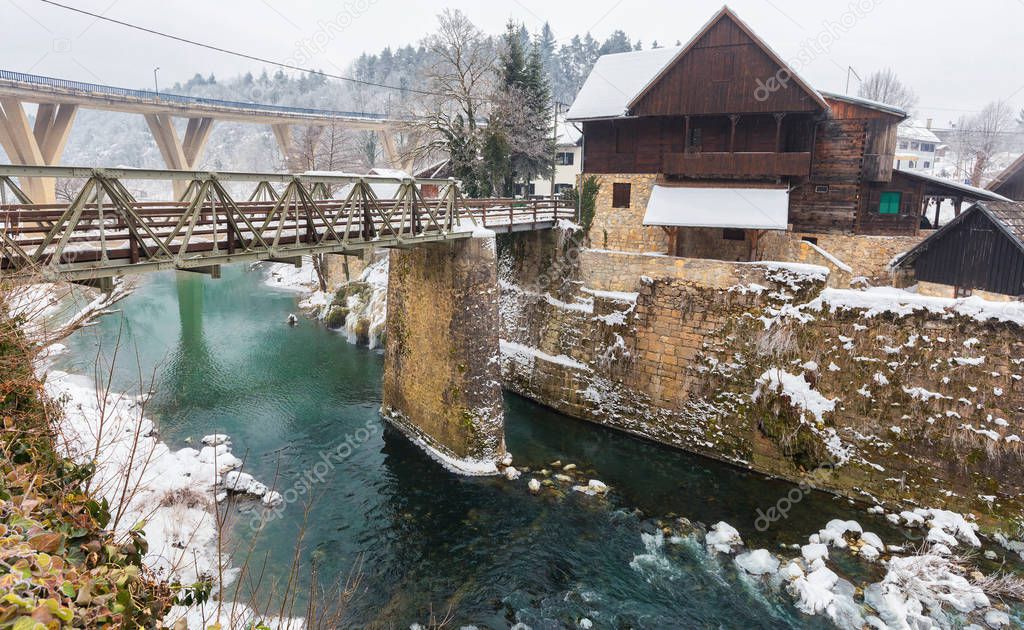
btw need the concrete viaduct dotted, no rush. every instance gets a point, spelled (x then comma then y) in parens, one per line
(42, 142)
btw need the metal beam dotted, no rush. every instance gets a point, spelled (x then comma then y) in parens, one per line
(81, 172)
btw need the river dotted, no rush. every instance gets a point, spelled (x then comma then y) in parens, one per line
(423, 540)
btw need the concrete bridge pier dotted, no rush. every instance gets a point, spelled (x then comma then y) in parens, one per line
(441, 367)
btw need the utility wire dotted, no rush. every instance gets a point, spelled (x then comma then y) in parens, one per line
(236, 53)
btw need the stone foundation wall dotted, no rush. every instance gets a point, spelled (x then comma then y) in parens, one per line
(622, 228)
(948, 291)
(441, 374)
(868, 256)
(926, 405)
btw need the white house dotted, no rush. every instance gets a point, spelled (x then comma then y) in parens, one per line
(568, 162)
(915, 147)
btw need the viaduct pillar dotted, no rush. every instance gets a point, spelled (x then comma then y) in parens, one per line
(441, 364)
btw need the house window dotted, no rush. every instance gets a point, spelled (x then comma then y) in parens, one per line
(899, 163)
(889, 202)
(813, 240)
(564, 159)
(620, 195)
(927, 164)
(915, 146)
(730, 234)
(821, 188)
(903, 144)
(962, 292)
(911, 164)
(927, 147)
(562, 188)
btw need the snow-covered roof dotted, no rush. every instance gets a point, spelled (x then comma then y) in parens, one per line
(397, 173)
(616, 80)
(746, 208)
(866, 102)
(916, 130)
(967, 191)
(568, 134)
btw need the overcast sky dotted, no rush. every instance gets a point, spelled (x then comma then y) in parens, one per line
(957, 55)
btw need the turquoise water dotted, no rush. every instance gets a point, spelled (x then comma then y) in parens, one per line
(422, 540)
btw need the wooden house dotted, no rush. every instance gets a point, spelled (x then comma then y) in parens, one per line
(980, 252)
(1010, 183)
(684, 141)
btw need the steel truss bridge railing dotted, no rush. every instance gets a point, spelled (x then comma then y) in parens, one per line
(105, 232)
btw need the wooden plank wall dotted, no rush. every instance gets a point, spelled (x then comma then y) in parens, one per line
(975, 254)
(836, 163)
(721, 74)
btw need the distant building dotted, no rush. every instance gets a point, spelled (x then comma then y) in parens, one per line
(568, 163)
(981, 252)
(916, 147)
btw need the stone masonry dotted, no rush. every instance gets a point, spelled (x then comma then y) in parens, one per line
(441, 374)
(927, 407)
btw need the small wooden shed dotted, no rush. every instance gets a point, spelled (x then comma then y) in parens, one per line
(982, 250)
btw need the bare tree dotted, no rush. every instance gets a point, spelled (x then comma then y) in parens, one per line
(983, 136)
(885, 87)
(461, 77)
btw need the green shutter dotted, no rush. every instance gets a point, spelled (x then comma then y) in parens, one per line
(889, 203)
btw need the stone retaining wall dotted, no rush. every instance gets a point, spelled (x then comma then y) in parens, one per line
(925, 405)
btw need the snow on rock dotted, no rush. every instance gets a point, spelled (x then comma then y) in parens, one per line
(723, 538)
(997, 619)
(758, 562)
(836, 529)
(814, 554)
(814, 591)
(797, 390)
(216, 439)
(220, 456)
(872, 539)
(534, 486)
(511, 473)
(917, 590)
(238, 481)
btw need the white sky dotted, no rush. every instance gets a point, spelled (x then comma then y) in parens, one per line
(956, 55)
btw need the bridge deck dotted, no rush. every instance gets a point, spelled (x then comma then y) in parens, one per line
(32, 87)
(104, 232)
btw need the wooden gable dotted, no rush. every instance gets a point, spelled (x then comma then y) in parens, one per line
(726, 69)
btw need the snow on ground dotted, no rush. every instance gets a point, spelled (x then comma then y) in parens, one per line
(879, 300)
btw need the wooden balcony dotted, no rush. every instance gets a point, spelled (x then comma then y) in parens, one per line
(737, 164)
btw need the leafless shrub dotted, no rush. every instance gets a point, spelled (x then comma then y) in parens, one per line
(778, 341)
(1003, 585)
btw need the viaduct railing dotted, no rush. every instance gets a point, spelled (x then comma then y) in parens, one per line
(104, 231)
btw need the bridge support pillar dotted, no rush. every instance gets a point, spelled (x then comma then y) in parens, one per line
(181, 155)
(39, 144)
(441, 366)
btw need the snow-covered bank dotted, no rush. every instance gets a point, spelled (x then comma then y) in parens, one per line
(169, 494)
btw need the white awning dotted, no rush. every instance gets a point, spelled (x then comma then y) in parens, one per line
(746, 208)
